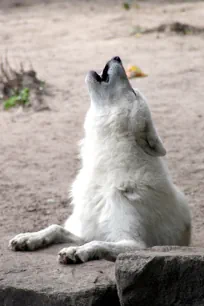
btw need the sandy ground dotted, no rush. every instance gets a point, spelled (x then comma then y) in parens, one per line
(65, 39)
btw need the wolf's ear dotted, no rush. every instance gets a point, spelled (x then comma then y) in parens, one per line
(150, 142)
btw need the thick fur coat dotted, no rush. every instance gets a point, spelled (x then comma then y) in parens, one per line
(123, 197)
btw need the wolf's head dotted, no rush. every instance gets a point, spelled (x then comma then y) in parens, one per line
(117, 107)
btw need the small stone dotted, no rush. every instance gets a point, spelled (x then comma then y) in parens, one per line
(50, 201)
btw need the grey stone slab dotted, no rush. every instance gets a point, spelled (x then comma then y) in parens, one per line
(36, 279)
(167, 276)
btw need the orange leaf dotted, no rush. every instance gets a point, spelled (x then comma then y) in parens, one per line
(135, 72)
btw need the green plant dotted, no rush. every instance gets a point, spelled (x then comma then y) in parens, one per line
(126, 5)
(19, 98)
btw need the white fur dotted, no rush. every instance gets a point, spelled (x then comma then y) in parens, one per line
(123, 197)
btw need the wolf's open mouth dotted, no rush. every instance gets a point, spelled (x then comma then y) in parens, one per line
(104, 76)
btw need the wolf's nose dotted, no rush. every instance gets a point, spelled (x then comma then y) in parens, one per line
(117, 59)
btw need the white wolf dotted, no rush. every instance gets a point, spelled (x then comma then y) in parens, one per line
(123, 197)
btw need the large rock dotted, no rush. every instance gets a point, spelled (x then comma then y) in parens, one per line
(36, 279)
(161, 277)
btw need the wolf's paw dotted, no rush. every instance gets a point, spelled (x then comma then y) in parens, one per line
(80, 254)
(25, 242)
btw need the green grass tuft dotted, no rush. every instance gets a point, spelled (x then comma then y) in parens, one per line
(20, 98)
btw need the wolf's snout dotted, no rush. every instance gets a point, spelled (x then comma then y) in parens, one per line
(117, 59)
(113, 70)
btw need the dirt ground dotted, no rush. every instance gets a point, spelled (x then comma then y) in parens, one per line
(65, 39)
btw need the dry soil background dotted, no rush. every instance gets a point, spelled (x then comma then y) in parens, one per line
(65, 39)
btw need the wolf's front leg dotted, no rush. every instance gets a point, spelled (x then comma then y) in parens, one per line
(50, 235)
(97, 250)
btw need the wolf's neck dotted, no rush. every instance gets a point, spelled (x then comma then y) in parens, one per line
(113, 151)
